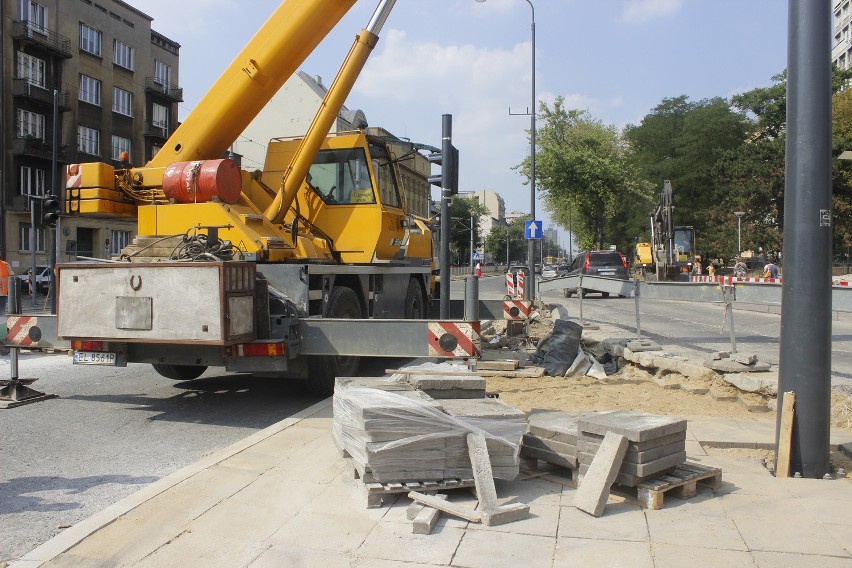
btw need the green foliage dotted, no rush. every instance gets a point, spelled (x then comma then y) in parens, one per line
(584, 171)
(495, 242)
(461, 210)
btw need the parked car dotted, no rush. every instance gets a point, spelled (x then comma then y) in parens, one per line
(515, 267)
(42, 280)
(608, 263)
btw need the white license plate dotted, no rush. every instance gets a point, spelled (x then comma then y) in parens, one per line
(93, 358)
(606, 272)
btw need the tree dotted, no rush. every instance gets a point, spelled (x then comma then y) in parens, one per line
(461, 210)
(842, 174)
(496, 242)
(583, 168)
(683, 141)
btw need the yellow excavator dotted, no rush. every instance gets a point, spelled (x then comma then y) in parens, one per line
(254, 271)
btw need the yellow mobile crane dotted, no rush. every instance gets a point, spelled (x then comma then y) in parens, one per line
(251, 271)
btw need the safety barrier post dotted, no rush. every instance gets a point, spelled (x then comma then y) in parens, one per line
(636, 298)
(730, 295)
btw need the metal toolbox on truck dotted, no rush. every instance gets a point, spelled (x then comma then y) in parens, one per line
(208, 303)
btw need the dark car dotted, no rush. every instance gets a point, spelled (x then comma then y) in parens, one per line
(515, 267)
(608, 263)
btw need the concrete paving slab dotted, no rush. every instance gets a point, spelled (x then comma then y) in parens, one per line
(530, 491)
(635, 426)
(694, 448)
(787, 560)
(380, 563)
(818, 488)
(508, 551)
(275, 557)
(672, 556)
(593, 491)
(204, 549)
(705, 503)
(785, 534)
(842, 533)
(602, 553)
(337, 530)
(620, 522)
(395, 541)
(761, 506)
(670, 526)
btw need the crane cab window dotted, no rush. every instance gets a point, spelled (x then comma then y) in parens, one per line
(341, 177)
(385, 176)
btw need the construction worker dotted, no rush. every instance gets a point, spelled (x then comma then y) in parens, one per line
(5, 273)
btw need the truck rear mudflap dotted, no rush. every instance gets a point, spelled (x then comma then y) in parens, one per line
(202, 303)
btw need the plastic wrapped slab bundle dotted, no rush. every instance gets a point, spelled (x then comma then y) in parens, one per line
(656, 445)
(407, 436)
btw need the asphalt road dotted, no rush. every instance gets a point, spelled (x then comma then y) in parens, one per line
(694, 329)
(112, 431)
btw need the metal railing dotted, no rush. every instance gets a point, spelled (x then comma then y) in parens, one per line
(169, 90)
(49, 39)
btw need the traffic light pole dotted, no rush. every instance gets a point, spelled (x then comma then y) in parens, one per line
(446, 194)
(51, 291)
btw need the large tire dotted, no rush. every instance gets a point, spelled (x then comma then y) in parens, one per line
(567, 292)
(179, 372)
(342, 303)
(415, 308)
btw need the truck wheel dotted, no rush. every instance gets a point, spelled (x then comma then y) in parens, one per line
(179, 372)
(342, 303)
(414, 306)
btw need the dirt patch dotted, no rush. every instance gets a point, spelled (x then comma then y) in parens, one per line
(633, 387)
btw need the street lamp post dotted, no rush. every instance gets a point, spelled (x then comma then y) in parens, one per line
(739, 215)
(530, 289)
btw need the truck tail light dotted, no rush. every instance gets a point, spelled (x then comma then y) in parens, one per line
(260, 350)
(623, 260)
(78, 345)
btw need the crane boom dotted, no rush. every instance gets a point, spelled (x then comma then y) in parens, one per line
(275, 52)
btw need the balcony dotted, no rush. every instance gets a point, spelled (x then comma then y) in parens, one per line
(168, 90)
(151, 130)
(36, 148)
(41, 95)
(30, 33)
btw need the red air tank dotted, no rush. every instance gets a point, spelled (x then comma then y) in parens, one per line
(201, 181)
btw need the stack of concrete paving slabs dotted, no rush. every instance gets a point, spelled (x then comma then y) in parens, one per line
(405, 435)
(657, 443)
(552, 437)
(493, 416)
(445, 386)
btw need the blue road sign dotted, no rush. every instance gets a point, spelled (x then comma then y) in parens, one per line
(532, 229)
(476, 256)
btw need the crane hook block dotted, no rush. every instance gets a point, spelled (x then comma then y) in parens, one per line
(201, 181)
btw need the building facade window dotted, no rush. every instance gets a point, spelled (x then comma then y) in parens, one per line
(90, 40)
(162, 73)
(30, 181)
(119, 240)
(89, 90)
(122, 101)
(31, 68)
(122, 54)
(119, 145)
(160, 117)
(30, 124)
(88, 140)
(24, 238)
(34, 13)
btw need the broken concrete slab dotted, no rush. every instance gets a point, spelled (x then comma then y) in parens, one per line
(733, 366)
(593, 491)
(763, 383)
(640, 345)
(636, 426)
(460, 511)
(505, 514)
(425, 520)
(437, 382)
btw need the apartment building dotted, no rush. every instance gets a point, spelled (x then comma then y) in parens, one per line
(841, 46)
(113, 82)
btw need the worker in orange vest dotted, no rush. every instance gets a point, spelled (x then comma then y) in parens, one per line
(5, 273)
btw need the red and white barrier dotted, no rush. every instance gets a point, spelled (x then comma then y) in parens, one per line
(520, 286)
(510, 284)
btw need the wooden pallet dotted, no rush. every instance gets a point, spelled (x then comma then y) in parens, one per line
(682, 482)
(376, 493)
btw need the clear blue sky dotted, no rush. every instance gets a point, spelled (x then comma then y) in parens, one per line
(616, 58)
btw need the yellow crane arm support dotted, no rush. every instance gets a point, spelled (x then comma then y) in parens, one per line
(258, 72)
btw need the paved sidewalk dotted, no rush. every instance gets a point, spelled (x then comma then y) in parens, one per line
(284, 497)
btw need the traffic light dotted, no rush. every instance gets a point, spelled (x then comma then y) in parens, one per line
(449, 176)
(50, 211)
